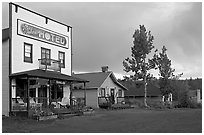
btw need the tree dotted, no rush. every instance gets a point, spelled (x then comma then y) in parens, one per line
(137, 64)
(166, 72)
(167, 78)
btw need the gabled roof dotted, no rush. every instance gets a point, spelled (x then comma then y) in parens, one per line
(138, 90)
(5, 34)
(48, 75)
(96, 79)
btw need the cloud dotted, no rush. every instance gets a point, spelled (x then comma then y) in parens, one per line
(102, 32)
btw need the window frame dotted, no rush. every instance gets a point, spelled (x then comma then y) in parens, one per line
(102, 92)
(28, 59)
(42, 61)
(62, 65)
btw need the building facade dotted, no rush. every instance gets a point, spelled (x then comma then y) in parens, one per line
(36, 59)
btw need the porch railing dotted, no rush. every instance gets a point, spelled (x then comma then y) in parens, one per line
(107, 100)
(103, 100)
(50, 64)
(21, 104)
(120, 100)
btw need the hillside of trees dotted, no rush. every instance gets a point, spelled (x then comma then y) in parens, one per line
(193, 84)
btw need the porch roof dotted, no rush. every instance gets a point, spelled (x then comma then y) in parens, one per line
(48, 75)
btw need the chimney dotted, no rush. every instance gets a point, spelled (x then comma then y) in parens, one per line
(104, 68)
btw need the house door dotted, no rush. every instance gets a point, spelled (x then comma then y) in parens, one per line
(112, 96)
(42, 95)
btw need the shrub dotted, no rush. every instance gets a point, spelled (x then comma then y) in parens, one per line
(184, 101)
(193, 104)
(157, 105)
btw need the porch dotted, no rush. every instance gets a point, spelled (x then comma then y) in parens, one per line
(107, 102)
(38, 91)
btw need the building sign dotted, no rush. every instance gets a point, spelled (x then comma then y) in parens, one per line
(36, 32)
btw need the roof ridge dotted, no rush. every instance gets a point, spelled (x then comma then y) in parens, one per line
(92, 72)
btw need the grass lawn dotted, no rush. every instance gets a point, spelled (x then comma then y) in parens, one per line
(116, 121)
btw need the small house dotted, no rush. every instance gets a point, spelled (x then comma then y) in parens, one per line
(101, 87)
(136, 92)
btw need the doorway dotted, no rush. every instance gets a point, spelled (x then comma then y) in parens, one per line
(112, 96)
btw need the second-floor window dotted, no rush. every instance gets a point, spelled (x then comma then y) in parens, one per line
(62, 59)
(45, 56)
(28, 55)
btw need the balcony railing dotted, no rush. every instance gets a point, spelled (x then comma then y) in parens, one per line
(50, 64)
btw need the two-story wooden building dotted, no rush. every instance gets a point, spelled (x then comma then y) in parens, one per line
(36, 60)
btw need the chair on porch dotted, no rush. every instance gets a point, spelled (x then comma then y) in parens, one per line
(64, 102)
(20, 101)
(32, 102)
(21, 105)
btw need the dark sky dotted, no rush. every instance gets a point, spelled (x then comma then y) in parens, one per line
(102, 32)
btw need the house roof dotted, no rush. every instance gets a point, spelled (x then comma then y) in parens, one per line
(5, 34)
(96, 79)
(138, 90)
(48, 75)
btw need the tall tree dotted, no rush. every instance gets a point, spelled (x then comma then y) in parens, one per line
(166, 71)
(137, 64)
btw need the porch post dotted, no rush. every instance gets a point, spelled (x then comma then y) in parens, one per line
(70, 95)
(49, 92)
(28, 93)
(84, 93)
(10, 96)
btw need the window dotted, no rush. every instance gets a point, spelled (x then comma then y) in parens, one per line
(56, 91)
(45, 56)
(102, 92)
(28, 55)
(32, 92)
(62, 59)
(119, 93)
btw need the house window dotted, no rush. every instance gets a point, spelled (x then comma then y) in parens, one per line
(102, 92)
(62, 59)
(45, 56)
(119, 93)
(28, 55)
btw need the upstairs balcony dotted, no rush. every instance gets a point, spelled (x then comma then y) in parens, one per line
(50, 64)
